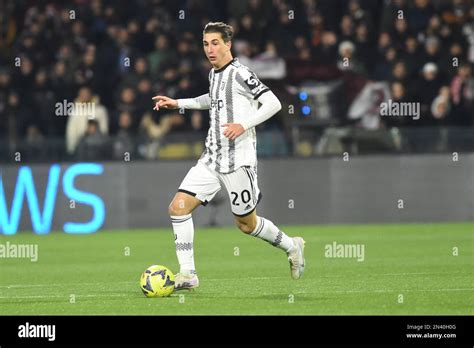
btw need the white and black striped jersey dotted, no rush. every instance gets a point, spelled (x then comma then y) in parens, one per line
(233, 93)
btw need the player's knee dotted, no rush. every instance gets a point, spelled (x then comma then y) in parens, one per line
(245, 226)
(176, 209)
(172, 210)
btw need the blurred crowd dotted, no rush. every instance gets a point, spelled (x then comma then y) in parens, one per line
(118, 54)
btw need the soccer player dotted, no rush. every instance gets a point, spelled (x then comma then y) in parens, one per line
(229, 158)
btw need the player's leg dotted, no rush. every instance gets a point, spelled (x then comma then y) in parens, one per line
(183, 204)
(198, 187)
(265, 229)
(244, 194)
(180, 211)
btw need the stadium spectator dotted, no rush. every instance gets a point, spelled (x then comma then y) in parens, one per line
(411, 56)
(400, 33)
(316, 28)
(397, 95)
(35, 147)
(144, 94)
(62, 85)
(427, 88)
(24, 80)
(124, 141)
(267, 65)
(399, 72)
(140, 71)
(462, 93)
(363, 46)
(282, 35)
(161, 55)
(451, 57)
(326, 52)
(89, 72)
(77, 123)
(347, 59)
(357, 13)
(441, 105)
(17, 119)
(383, 68)
(432, 50)
(5, 90)
(420, 14)
(152, 133)
(127, 102)
(394, 9)
(384, 43)
(93, 146)
(347, 29)
(43, 100)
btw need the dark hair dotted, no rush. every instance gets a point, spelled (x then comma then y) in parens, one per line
(225, 30)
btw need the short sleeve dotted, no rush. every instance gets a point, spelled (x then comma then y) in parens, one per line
(250, 84)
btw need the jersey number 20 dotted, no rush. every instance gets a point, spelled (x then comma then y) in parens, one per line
(245, 196)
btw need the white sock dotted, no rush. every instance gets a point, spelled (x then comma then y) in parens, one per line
(183, 238)
(267, 231)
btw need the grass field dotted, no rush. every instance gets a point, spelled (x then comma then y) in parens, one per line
(415, 261)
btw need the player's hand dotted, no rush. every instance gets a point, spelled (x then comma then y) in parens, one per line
(164, 102)
(233, 130)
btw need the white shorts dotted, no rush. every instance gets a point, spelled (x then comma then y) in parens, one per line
(203, 183)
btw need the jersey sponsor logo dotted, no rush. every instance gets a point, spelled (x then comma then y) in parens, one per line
(252, 82)
(217, 104)
(254, 85)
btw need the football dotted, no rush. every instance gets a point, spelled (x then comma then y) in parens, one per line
(157, 281)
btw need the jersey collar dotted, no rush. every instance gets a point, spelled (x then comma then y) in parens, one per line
(225, 66)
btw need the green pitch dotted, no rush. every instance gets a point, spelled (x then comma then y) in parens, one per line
(406, 269)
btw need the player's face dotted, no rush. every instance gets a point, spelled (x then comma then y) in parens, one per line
(216, 50)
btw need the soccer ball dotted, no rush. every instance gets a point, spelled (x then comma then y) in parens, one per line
(157, 281)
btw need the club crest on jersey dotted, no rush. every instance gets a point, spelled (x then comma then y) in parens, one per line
(223, 85)
(217, 103)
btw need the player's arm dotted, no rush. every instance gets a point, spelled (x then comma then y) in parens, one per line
(202, 102)
(270, 106)
(252, 87)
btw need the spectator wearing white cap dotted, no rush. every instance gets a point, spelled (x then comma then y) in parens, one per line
(427, 89)
(348, 60)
